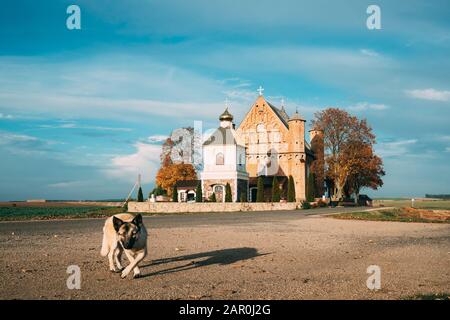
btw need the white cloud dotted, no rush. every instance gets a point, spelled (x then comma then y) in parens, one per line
(69, 184)
(157, 138)
(364, 106)
(429, 94)
(395, 148)
(6, 116)
(72, 125)
(144, 161)
(370, 53)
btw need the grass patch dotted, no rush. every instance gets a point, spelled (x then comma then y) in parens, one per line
(420, 204)
(398, 214)
(430, 296)
(47, 213)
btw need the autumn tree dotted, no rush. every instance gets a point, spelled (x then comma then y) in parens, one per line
(170, 173)
(344, 135)
(366, 169)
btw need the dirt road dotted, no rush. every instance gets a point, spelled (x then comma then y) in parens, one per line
(285, 255)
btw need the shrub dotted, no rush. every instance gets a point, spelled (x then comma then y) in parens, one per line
(306, 205)
(275, 190)
(228, 196)
(199, 193)
(291, 190)
(310, 188)
(158, 191)
(260, 190)
(140, 197)
(174, 194)
(212, 197)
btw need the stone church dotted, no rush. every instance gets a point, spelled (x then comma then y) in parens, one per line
(275, 146)
(267, 143)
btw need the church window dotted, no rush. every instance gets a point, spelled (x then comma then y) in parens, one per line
(219, 159)
(260, 128)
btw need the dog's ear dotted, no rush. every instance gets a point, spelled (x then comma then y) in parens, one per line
(137, 220)
(117, 223)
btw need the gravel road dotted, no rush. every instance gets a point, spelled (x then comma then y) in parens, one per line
(270, 255)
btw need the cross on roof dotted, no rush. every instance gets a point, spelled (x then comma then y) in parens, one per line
(260, 90)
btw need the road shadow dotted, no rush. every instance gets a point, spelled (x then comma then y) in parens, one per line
(220, 257)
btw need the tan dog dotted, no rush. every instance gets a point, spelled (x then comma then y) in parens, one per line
(124, 233)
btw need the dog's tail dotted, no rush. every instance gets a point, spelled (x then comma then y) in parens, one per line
(105, 245)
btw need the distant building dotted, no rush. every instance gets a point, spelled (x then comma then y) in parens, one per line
(187, 190)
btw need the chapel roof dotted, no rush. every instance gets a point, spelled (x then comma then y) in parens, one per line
(221, 136)
(226, 116)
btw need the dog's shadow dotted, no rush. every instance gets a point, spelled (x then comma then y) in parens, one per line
(221, 257)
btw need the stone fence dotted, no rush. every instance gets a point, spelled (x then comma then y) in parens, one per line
(183, 207)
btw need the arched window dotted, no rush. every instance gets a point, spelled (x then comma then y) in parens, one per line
(219, 159)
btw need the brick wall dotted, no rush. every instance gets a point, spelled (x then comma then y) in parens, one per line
(171, 207)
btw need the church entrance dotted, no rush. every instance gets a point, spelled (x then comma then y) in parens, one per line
(219, 190)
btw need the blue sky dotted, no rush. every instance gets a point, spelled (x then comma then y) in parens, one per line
(83, 111)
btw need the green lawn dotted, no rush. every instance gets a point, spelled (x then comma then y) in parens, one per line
(51, 212)
(436, 205)
(384, 215)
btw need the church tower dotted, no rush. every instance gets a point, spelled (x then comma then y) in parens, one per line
(297, 163)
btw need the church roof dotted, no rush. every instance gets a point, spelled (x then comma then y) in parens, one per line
(222, 136)
(280, 113)
(296, 116)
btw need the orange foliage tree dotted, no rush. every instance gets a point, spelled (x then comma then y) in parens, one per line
(348, 145)
(170, 173)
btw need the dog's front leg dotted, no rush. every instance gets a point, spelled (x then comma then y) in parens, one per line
(133, 263)
(111, 254)
(117, 257)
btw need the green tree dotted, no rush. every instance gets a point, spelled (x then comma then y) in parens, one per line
(228, 196)
(174, 194)
(212, 197)
(275, 190)
(140, 197)
(291, 190)
(199, 193)
(260, 190)
(158, 191)
(310, 188)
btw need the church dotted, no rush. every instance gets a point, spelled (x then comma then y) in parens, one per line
(268, 143)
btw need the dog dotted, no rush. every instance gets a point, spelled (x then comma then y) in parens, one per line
(124, 233)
